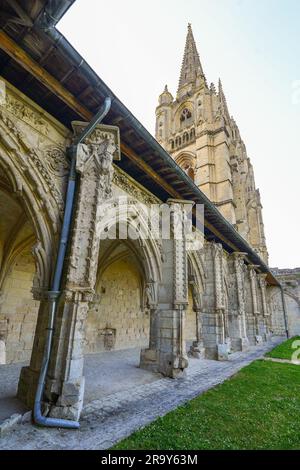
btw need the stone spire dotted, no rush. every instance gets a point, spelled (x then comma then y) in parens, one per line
(191, 66)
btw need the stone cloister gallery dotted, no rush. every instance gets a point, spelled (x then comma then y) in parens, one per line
(151, 293)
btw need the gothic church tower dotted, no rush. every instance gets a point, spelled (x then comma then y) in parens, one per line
(199, 133)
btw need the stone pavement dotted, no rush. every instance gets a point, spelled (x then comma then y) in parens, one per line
(9, 404)
(108, 420)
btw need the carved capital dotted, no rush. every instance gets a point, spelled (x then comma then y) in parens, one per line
(77, 294)
(40, 294)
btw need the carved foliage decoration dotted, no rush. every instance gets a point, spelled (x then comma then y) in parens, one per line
(239, 273)
(180, 281)
(122, 180)
(219, 276)
(57, 161)
(33, 163)
(31, 179)
(27, 114)
(180, 272)
(95, 165)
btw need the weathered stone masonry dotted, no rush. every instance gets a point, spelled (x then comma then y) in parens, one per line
(153, 293)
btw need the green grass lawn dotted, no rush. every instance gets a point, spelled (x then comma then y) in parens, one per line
(258, 408)
(284, 350)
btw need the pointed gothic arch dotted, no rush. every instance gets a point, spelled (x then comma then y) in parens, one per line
(129, 271)
(187, 161)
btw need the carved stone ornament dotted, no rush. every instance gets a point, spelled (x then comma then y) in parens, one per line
(151, 294)
(57, 161)
(124, 182)
(219, 275)
(197, 298)
(100, 134)
(94, 164)
(180, 273)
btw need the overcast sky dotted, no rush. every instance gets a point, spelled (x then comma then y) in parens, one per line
(136, 47)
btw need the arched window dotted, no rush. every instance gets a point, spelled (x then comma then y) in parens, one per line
(192, 133)
(187, 162)
(172, 144)
(185, 118)
(189, 171)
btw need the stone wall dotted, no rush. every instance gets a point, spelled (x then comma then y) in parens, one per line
(290, 280)
(277, 312)
(115, 320)
(19, 310)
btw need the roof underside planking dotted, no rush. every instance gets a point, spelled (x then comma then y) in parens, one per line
(40, 62)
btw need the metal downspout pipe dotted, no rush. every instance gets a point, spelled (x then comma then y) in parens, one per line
(55, 292)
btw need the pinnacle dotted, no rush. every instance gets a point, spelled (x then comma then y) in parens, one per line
(191, 65)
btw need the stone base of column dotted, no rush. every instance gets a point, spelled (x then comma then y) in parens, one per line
(27, 386)
(70, 403)
(148, 360)
(258, 339)
(223, 352)
(240, 344)
(172, 366)
(229, 344)
(164, 363)
(244, 344)
(267, 336)
(197, 350)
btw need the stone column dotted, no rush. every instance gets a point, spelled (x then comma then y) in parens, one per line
(65, 383)
(197, 349)
(168, 355)
(265, 312)
(223, 340)
(256, 313)
(148, 357)
(29, 375)
(241, 340)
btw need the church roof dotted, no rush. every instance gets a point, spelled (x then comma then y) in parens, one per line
(38, 60)
(191, 66)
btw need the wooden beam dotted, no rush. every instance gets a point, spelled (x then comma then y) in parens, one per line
(23, 59)
(24, 19)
